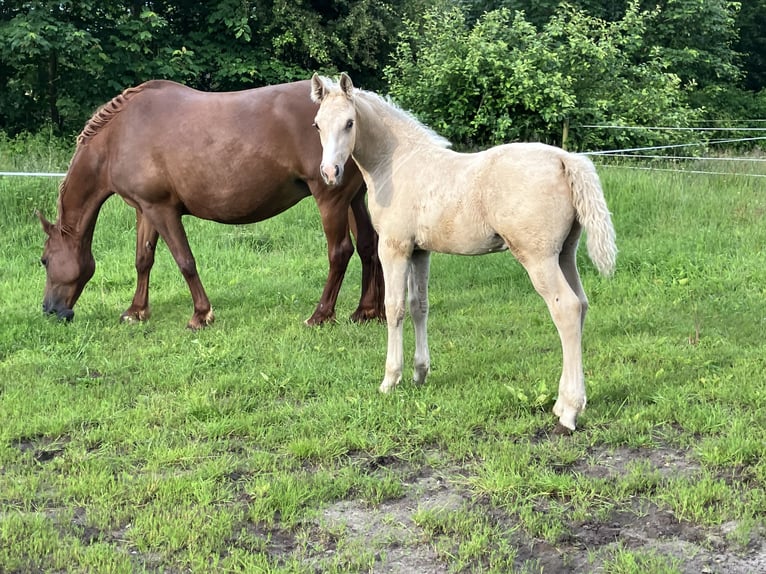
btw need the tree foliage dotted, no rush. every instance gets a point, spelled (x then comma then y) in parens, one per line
(481, 71)
(61, 59)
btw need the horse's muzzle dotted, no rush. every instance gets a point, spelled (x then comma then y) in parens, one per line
(64, 314)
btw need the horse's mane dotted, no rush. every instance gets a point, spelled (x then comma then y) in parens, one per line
(105, 113)
(404, 116)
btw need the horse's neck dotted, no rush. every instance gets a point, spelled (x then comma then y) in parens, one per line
(80, 201)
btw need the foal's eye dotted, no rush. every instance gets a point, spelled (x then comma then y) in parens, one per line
(315, 126)
(349, 124)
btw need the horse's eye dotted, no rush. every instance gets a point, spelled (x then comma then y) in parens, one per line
(315, 126)
(349, 124)
(44, 261)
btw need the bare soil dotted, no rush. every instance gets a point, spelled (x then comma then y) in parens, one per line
(401, 546)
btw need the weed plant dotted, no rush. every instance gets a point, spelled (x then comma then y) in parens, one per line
(151, 448)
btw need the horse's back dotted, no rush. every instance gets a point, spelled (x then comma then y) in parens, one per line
(228, 156)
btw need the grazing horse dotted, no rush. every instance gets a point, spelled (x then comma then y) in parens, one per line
(531, 199)
(235, 157)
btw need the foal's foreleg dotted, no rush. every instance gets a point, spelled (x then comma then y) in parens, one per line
(418, 297)
(146, 244)
(566, 310)
(395, 267)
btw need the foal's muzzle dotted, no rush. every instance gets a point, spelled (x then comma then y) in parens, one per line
(331, 174)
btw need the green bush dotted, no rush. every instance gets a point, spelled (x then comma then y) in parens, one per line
(503, 79)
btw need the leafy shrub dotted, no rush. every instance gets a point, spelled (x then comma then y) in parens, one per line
(502, 79)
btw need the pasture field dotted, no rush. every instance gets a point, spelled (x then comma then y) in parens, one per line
(261, 445)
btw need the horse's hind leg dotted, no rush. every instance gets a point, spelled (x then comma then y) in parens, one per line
(418, 298)
(371, 300)
(146, 243)
(334, 212)
(567, 312)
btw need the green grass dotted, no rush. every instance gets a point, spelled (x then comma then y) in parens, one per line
(131, 448)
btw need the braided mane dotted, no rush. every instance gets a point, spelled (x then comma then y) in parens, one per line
(106, 113)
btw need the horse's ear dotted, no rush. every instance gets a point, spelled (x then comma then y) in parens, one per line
(47, 225)
(318, 89)
(346, 84)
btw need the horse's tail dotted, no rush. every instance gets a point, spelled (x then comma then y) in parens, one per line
(592, 211)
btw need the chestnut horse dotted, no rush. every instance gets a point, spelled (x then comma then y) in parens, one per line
(234, 157)
(531, 199)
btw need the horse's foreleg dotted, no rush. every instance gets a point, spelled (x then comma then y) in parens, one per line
(418, 298)
(334, 213)
(371, 300)
(566, 309)
(146, 243)
(168, 223)
(395, 266)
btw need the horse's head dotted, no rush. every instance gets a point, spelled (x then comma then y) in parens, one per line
(68, 267)
(336, 123)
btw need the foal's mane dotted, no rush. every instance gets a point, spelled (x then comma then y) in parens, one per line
(105, 113)
(405, 117)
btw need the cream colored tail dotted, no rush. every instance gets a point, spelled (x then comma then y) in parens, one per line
(592, 211)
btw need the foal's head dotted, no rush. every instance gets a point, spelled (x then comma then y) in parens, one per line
(336, 123)
(68, 267)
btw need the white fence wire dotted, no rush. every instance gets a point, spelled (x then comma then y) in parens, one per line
(670, 161)
(627, 153)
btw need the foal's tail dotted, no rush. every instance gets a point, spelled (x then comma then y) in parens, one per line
(592, 212)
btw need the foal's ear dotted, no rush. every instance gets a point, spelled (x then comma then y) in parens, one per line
(47, 225)
(318, 89)
(346, 85)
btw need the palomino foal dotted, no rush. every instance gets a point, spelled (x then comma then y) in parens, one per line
(532, 199)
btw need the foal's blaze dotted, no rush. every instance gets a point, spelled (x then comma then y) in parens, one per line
(335, 151)
(68, 269)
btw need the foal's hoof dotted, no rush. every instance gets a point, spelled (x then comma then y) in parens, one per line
(561, 430)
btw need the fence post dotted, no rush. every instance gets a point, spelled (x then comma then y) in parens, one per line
(565, 134)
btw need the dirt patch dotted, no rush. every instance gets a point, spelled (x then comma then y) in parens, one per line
(390, 528)
(656, 534)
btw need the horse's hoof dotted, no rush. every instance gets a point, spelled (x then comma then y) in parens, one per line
(319, 319)
(367, 315)
(197, 323)
(561, 430)
(132, 317)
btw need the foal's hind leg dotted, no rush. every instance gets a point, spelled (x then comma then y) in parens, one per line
(146, 243)
(418, 297)
(568, 264)
(567, 313)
